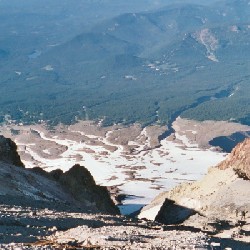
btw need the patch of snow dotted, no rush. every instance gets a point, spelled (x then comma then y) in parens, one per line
(48, 68)
(151, 213)
(212, 57)
(54, 45)
(31, 78)
(46, 151)
(154, 170)
(129, 77)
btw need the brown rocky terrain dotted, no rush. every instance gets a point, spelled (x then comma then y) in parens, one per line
(217, 204)
(75, 189)
(35, 186)
(202, 133)
(56, 210)
(239, 160)
(80, 183)
(43, 228)
(41, 210)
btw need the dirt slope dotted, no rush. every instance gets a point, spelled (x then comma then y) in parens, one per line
(218, 203)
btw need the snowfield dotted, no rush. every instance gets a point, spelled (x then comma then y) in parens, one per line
(141, 172)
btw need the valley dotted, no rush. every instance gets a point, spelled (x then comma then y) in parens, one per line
(124, 124)
(132, 161)
(115, 70)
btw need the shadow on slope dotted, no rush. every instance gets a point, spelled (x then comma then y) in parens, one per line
(28, 226)
(172, 213)
(234, 244)
(227, 143)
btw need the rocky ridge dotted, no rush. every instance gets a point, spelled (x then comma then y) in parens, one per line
(239, 160)
(26, 187)
(8, 152)
(79, 182)
(217, 204)
(74, 189)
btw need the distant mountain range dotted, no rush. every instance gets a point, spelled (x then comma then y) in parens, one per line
(184, 59)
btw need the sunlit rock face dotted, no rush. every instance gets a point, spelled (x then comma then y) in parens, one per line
(239, 160)
(222, 194)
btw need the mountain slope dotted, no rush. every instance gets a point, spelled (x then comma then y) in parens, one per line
(70, 191)
(74, 189)
(222, 195)
(41, 210)
(239, 160)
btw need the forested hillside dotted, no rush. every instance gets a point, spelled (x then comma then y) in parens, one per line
(59, 64)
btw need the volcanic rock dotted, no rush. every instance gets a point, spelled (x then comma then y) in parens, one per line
(239, 160)
(8, 152)
(81, 185)
(222, 195)
(36, 187)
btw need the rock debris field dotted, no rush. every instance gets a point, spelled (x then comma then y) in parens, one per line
(50, 229)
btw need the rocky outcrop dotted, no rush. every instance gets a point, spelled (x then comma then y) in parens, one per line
(79, 182)
(75, 189)
(239, 160)
(8, 152)
(81, 186)
(221, 195)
